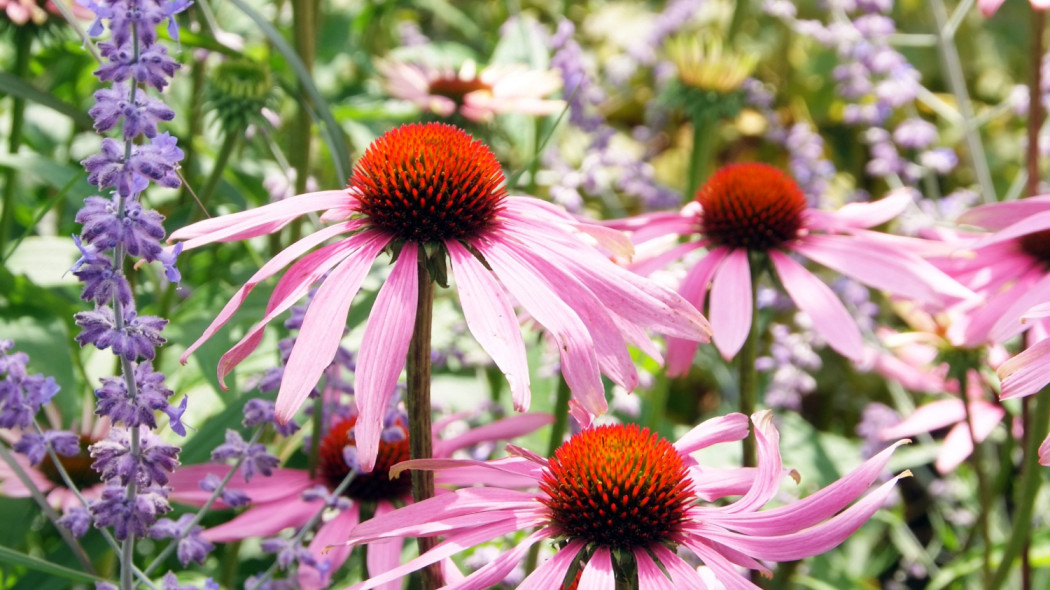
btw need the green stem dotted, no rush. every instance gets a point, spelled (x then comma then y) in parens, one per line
(1031, 478)
(740, 14)
(704, 134)
(304, 17)
(961, 376)
(23, 44)
(420, 439)
(748, 381)
(229, 142)
(561, 424)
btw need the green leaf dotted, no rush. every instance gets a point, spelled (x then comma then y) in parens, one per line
(16, 86)
(35, 563)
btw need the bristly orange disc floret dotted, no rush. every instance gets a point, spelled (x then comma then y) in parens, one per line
(428, 183)
(372, 486)
(617, 486)
(1037, 245)
(754, 206)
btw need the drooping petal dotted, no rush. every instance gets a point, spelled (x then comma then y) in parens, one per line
(551, 574)
(579, 362)
(296, 283)
(257, 221)
(860, 215)
(926, 418)
(1036, 222)
(997, 216)
(264, 520)
(384, 350)
(891, 270)
(680, 352)
(731, 427)
(281, 485)
(682, 574)
(958, 445)
(491, 319)
(805, 543)
(323, 327)
(329, 534)
(383, 556)
(830, 317)
(731, 304)
(494, 572)
(1026, 373)
(770, 469)
(723, 569)
(598, 572)
(649, 575)
(1009, 323)
(1044, 452)
(270, 268)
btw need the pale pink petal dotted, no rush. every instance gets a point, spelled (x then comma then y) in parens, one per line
(808, 511)
(283, 484)
(976, 323)
(1036, 222)
(491, 319)
(1044, 452)
(257, 221)
(728, 428)
(932, 416)
(328, 534)
(11, 485)
(650, 265)
(382, 556)
(682, 574)
(1037, 312)
(860, 215)
(453, 544)
(428, 516)
(731, 304)
(989, 7)
(770, 470)
(830, 317)
(264, 520)
(958, 445)
(894, 271)
(323, 327)
(710, 484)
(384, 350)
(504, 429)
(494, 572)
(650, 226)
(812, 541)
(724, 571)
(598, 572)
(296, 283)
(551, 573)
(579, 361)
(514, 468)
(270, 268)
(1026, 373)
(1010, 324)
(680, 352)
(650, 576)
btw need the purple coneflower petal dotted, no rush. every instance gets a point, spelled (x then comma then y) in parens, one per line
(1034, 223)
(384, 349)
(728, 428)
(498, 569)
(731, 304)
(650, 576)
(324, 321)
(680, 352)
(551, 573)
(491, 319)
(770, 470)
(331, 533)
(830, 317)
(506, 428)
(282, 484)
(860, 215)
(264, 520)
(682, 574)
(382, 556)
(1026, 373)
(929, 417)
(598, 572)
(997, 216)
(1009, 324)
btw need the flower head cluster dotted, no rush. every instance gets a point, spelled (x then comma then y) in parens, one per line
(132, 461)
(615, 497)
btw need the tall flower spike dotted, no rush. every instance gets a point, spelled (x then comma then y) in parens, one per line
(434, 184)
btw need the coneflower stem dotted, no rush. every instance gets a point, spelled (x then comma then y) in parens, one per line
(420, 440)
(1031, 478)
(961, 375)
(748, 381)
(23, 44)
(704, 129)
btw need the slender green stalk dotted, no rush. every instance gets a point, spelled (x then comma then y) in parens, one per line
(420, 439)
(961, 376)
(49, 512)
(304, 17)
(740, 14)
(561, 424)
(748, 380)
(1031, 479)
(705, 128)
(23, 46)
(229, 142)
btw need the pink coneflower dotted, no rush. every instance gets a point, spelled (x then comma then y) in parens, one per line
(22, 12)
(475, 94)
(622, 493)
(1029, 372)
(277, 501)
(990, 7)
(1009, 268)
(755, 208)
(433, 189)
